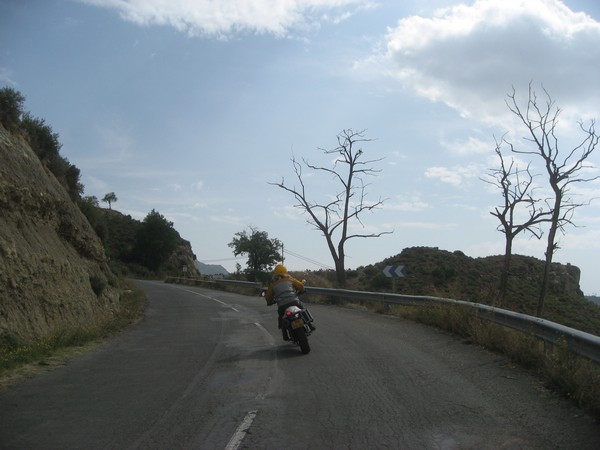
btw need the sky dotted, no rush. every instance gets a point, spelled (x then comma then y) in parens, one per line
(192, 108)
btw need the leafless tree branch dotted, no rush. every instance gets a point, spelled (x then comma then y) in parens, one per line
(333, 216)
(540, 119)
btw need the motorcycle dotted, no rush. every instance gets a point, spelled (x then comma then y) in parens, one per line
(297, 323)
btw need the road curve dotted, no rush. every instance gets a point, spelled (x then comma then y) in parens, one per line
(208, 370)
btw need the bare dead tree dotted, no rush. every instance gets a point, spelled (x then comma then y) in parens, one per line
(540, 118)
(332, 217)
(519, 211)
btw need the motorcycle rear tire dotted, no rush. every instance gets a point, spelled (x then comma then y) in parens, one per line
(303, 341)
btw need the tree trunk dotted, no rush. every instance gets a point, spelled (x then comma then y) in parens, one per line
(546, 276)
(340, 265)
(549, 251)
(338, 260)
(340, 275)
(505, 270)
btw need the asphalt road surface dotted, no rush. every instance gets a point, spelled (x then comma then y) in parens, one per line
(208, 370)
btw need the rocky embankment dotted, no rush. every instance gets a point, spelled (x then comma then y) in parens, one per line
(53, 271)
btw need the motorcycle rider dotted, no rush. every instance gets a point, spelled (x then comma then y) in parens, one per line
(284, 291)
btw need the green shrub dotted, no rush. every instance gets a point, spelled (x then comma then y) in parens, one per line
(11, 108)
(98, 284)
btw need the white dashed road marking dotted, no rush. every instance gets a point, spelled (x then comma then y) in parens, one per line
(241, 431)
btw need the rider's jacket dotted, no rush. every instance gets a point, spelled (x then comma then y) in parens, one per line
(284, 290)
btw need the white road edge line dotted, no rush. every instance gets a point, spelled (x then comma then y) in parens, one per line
(210, 298)
(266, 333)
(241, 431)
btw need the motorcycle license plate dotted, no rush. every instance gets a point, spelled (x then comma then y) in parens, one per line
(298, 323)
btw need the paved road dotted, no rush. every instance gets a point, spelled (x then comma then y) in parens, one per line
(207, 370)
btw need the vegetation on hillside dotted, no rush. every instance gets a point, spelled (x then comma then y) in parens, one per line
(147, 249)
(42, 140)
(155, 240)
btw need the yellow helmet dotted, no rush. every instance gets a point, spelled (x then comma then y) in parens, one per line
(279, 270)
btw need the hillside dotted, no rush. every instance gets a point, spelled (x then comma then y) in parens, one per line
(53, 269)
(59, 266)
(435, 272)
(118, 233)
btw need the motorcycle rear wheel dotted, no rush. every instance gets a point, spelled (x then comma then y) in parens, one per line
(303, 341)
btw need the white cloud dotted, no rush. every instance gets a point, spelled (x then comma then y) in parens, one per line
(231, 220)
(454, 176)
(412, 204)
(471, 146)
(588, 239)
(94, 184)
(118, 146)
(198, 185)
(444, 174)
(427, 225)
(6, 76)
(225, 17)
(287, 212)
(144, 173)
(467, 207)
(468, 57)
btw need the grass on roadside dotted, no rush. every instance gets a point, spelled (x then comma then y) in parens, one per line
(16, 353)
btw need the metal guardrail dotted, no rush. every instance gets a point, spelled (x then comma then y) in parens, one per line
(583, 344)
(215, 282)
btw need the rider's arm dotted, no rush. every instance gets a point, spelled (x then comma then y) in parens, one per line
(269, 295)
(298, 286)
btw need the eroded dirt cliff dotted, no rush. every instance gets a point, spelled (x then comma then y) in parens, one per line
(53, 271)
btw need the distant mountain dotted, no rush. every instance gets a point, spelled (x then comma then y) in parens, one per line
(593, 298)
(211, 269)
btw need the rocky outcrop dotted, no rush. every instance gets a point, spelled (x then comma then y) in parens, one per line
(182, 261)
(53, 271)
